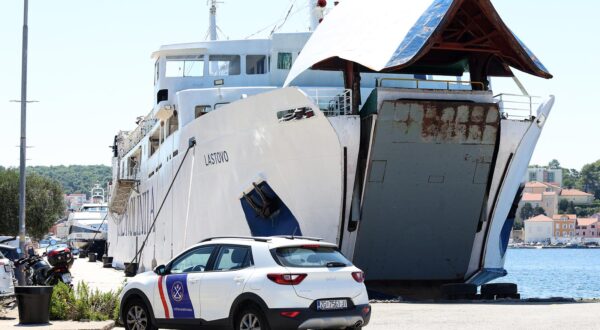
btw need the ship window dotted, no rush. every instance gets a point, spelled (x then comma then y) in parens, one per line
(224, 65)
(185, 66)
(201, 110)
(284, 61)
(154, 142)
(156, 71)
(173, 123)
(256, 64)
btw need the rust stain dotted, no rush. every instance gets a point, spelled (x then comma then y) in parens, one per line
(452, 122)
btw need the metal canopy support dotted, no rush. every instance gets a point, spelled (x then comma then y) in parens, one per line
(352, 82)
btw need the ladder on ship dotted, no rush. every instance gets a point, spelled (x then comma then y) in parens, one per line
(122, 192)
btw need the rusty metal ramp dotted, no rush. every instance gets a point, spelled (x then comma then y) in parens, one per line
(425, 186)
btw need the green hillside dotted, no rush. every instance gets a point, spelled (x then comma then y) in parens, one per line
(76, 179)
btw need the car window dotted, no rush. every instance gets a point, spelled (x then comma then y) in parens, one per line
(193, 261)
(10, 253)
(1, 255)
(310, 256)
(233, 257)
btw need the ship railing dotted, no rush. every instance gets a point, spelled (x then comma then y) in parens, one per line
(415, 83)
(132, 173)
(131, 139)
(331, 101)
(517, 106)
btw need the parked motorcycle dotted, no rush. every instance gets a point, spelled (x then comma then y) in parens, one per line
(38, 271)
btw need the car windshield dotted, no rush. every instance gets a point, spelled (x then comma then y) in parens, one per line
(310, 256)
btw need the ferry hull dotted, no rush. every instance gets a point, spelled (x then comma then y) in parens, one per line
(219, 186)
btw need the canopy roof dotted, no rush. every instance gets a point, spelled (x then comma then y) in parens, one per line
(445, 37)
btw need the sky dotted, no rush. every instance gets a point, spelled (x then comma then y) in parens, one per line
(90, 68)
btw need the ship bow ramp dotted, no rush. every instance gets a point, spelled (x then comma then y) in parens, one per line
(438, 166)
(426, 179)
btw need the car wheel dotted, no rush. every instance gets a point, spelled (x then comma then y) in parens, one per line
(251, 318)
(136, 316)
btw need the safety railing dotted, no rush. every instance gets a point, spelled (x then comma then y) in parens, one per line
(133, 173)
(129, 140)
(515, 106)
(431, 84)
(331, 101)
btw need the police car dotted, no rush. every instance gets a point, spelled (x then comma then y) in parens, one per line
(249, 283)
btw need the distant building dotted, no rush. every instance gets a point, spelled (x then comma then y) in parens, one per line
(587, 228)
(538, 229)
(578, 197)
(75, 201)
(544, 174)
(564, 227)
(542, 195)
(535, 187)
(517, 235)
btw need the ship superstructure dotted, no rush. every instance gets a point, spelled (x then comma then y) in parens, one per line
(366, 147)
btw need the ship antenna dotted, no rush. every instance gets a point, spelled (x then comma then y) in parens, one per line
(212, 28)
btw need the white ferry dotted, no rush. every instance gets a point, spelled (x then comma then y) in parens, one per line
(414, 177)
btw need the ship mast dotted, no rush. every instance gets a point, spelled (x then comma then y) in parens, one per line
(212, 28)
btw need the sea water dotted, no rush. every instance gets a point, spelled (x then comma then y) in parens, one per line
(544, 273)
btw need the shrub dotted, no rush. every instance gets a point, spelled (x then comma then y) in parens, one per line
(83, 303)
(62, 301)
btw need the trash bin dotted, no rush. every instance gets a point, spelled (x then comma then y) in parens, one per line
(131, 269)
(92, 257)
(107, 262)
(34, 304)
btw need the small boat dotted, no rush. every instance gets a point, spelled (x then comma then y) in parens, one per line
(87, 227)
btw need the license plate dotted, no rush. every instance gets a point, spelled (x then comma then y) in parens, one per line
(327, 305)
(66, 278)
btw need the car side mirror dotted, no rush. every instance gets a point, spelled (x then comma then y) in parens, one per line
(160, 270)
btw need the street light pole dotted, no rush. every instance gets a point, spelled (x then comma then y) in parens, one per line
(22, 175)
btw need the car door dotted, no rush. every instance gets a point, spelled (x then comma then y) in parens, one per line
(178, 290)
(221, 285)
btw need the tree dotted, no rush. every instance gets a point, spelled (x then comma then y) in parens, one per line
(44, 203)
(526, 211)
(75, 179)
(554, 164)
(571, 178)
(538, 210)
(590, 178)
(563, 204)
(571, 208)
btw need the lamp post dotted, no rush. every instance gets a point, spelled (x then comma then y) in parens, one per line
(22, 163)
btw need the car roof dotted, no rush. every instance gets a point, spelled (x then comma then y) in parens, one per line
(4, 246)
(272, 242)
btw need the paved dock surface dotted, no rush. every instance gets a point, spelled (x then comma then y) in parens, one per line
(485, 316)
(388, 316)
(92, 273)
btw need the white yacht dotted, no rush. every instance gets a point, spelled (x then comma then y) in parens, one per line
(347, 134)
(88, 226)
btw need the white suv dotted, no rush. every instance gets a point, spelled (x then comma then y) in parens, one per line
(6, 277)
(250, 283)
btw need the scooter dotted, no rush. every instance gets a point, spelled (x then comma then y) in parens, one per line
(41, 272)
